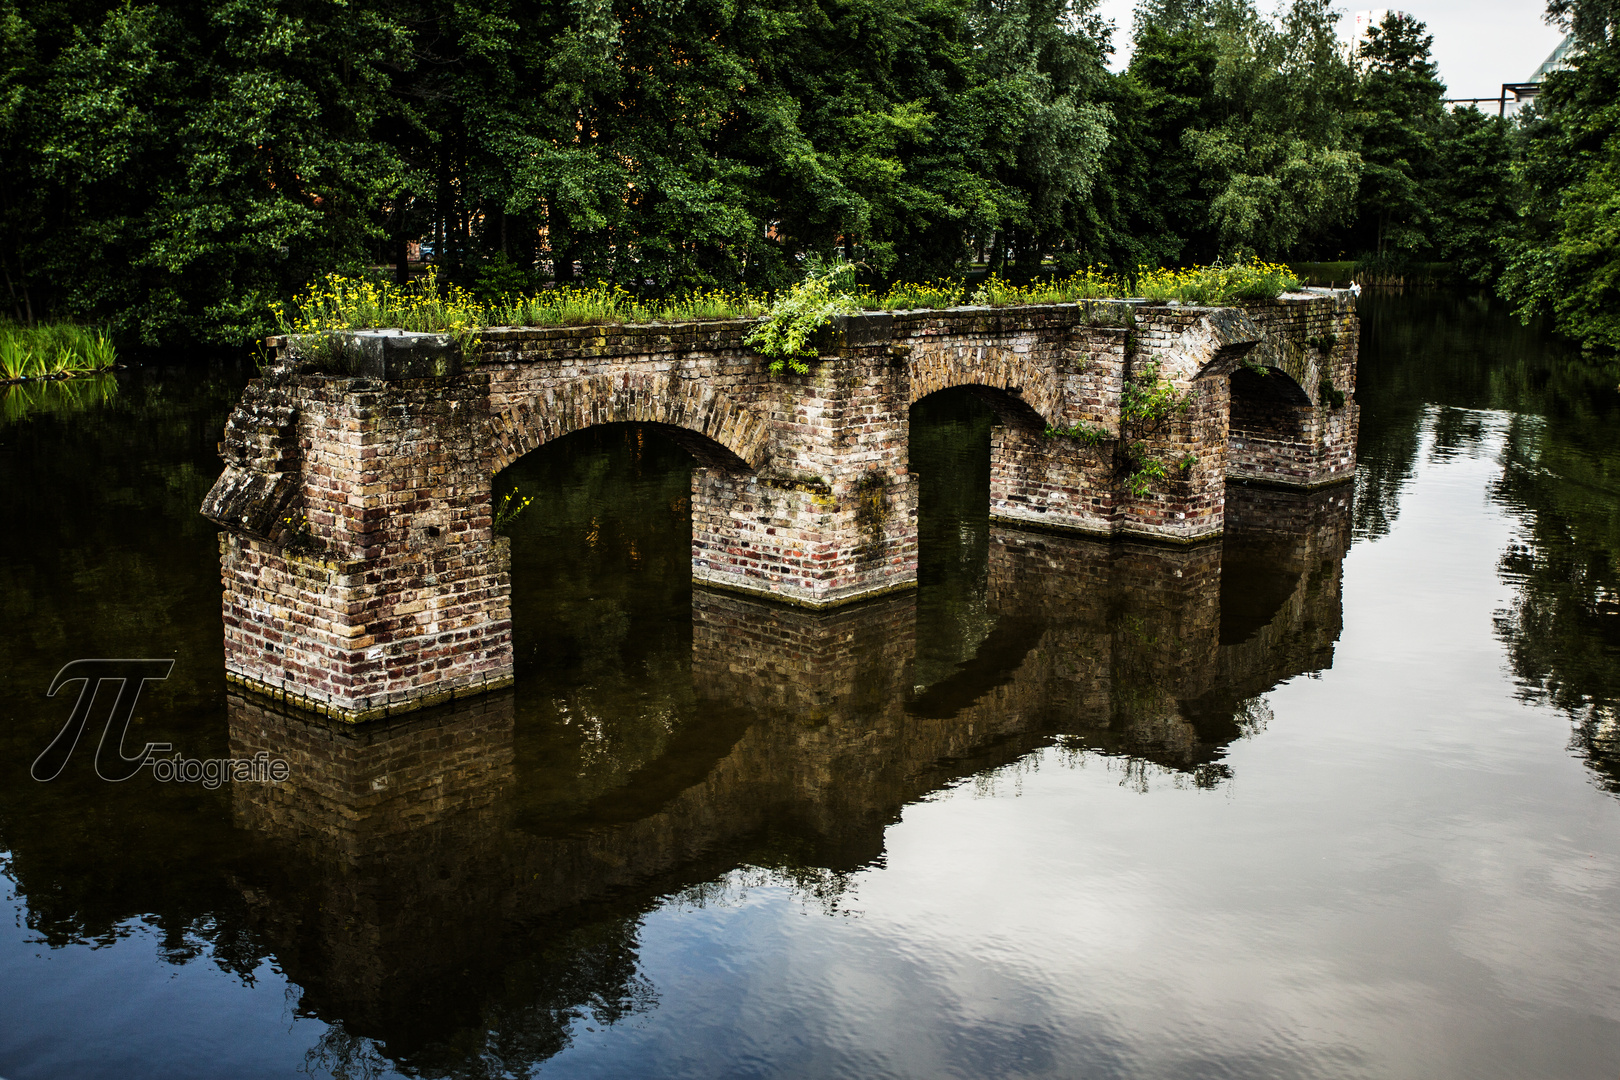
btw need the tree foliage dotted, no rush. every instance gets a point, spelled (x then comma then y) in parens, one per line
(1242, 145)
(1565, 259)
(173, 170)
(1398, 123)
(176, 167)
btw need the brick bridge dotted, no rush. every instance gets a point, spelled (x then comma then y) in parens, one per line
(363, 575)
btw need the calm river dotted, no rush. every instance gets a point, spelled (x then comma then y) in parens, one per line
(1334, 797)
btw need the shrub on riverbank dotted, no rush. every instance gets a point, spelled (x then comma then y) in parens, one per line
(52, 351)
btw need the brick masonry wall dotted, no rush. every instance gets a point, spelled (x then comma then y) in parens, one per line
(362, 573)
(1282, 429)
(1205, 354)
(385, 587)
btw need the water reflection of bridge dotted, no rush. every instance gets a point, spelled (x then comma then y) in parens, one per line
(410, 889)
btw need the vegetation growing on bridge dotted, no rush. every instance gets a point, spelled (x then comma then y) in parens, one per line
(791, 316)
(1148, 404)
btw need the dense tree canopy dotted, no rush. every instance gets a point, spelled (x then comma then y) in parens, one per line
(1566, 257)
(170, 168)
(1398, 124)
(176, 166)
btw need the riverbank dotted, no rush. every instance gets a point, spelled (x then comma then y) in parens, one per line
(1341, 273)
(53, 351)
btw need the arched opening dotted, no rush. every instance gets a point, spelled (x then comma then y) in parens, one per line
(602, 623)
(1266, 406)
(949, 451)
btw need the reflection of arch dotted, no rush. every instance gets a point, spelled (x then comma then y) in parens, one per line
(705, 422)
(419, 886)
(1005, 379)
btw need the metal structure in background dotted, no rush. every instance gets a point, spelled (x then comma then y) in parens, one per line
(1522, 92)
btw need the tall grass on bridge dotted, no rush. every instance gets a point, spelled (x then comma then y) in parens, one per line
(337, 302)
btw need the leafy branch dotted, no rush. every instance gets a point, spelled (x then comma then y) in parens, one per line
(1084, 431)
(1148, 405)
(798, 313)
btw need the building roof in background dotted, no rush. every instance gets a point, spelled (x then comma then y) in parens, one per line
(1558, 61)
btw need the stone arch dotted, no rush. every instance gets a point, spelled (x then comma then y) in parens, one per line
(707, 423)
(1228, 342)
(1263, 383)
(1005, 379)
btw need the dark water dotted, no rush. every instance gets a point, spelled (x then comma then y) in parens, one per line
(1334, 797)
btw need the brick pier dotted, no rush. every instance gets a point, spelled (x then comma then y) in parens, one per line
(363, 575)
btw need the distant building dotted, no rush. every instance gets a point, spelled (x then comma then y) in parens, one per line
(1558, 61)
(1527, 90)
(1519, 93)
(1362, 23)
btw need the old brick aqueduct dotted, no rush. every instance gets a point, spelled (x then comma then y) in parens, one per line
(363, 574)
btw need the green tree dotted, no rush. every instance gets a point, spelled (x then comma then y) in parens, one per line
(1278, 163)
(1041, 63)
(173, 168)
(1267, 137)
(1565, 259)
(1398, 122)
(1473, 196)
(1157, 208)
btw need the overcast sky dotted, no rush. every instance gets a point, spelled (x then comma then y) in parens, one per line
(1479, 44)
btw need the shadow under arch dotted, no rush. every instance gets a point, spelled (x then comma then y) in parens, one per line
(1007, 404)
(1268, 408)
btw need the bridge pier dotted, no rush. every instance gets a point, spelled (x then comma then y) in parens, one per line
(361, 573)
(832, 517)
(363, 576)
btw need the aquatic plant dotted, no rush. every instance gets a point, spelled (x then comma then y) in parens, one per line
(19, 400)
(53, 351)
(98, 352)
(16, 358)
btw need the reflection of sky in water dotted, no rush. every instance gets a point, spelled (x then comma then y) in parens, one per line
(1404, 869)
(1409, 876)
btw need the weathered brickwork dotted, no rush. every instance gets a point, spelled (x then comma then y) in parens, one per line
(381, 585)
(363, 575)
(1286, 426)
